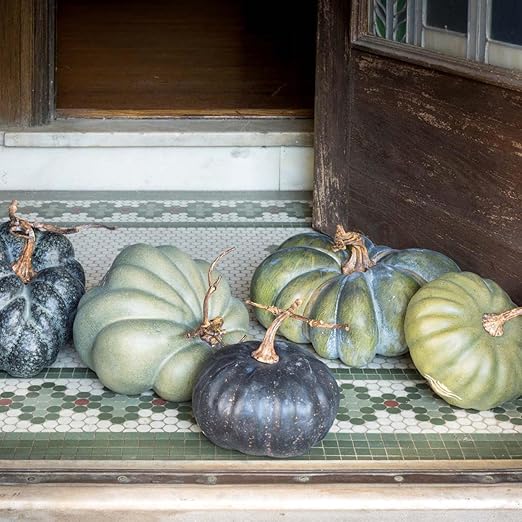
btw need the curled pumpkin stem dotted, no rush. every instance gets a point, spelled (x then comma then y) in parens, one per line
(25, 229)
(211, 330)
(494, 323)
(359, 260)
(266, 352)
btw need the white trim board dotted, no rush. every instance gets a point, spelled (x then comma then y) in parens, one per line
(210, 168)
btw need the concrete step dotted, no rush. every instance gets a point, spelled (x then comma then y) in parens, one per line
(197, 154)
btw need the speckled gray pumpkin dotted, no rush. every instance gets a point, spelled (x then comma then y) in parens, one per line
(275, 410)
(373, 303)
(132, 330)
(36, 318)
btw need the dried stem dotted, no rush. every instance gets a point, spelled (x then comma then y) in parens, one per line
(494, 323)
(359, 260)
(266, 352)
(23, 267)
(24, 229)
(211, 330)
(314, 323)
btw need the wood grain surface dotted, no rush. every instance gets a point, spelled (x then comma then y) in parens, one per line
(232, 57)
(332, 113)
(435, 161)
(26, 61)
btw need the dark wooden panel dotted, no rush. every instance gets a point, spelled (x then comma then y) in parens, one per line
(332, 112)
(10, 82)
(42, 53)
(436, 161)
(233, 57)
(26, 60)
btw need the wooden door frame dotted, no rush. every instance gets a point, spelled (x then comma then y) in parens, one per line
(27, 40)
(331, 112)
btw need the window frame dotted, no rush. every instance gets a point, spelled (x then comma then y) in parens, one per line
(363, 40)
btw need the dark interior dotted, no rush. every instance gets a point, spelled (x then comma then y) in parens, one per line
(185, 58)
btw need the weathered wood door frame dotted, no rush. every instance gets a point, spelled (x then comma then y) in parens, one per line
(26, 62)
(332, 112)
(417, 149)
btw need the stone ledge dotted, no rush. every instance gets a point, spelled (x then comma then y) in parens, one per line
(165, 133)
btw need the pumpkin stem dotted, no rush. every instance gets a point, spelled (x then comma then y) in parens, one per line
(211, 330)
(266, 352)
(494, 323)
(359, 260)
(24, 229)
(23, 268)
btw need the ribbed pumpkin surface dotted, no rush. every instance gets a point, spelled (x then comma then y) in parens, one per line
(36, 317)
(372, 303)
(132, 329)
(277, 410)
(463, 363)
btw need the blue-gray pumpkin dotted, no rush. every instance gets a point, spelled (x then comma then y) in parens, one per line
(269, 398)
(367, 287)
(41, 284)
(136, 329)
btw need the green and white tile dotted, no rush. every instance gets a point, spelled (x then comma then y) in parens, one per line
(171, 212)
(387, 411)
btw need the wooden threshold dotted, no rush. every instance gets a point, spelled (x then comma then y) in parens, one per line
(485, 472)
(183, 113)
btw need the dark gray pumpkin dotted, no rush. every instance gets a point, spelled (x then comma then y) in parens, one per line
(36, 317)
(275, 410)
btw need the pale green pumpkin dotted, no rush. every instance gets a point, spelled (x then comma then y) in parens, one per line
(450, 346)
(132, 330)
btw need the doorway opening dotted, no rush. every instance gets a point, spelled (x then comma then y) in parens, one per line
(185, 58)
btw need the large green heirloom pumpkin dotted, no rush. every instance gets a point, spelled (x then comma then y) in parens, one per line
(465, 338)
(144, 327)
(368, 288)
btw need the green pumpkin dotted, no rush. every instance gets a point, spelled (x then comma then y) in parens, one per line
(450, 346)
(367, 288)
(132, 330)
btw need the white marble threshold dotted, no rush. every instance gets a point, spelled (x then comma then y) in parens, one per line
(156, 168)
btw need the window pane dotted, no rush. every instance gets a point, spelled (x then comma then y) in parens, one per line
(390, 19)
(506, 21)
(448, 14)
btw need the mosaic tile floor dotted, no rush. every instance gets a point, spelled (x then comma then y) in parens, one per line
(387, 411)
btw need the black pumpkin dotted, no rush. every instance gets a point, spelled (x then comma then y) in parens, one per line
(277, 408)
(40, 285)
